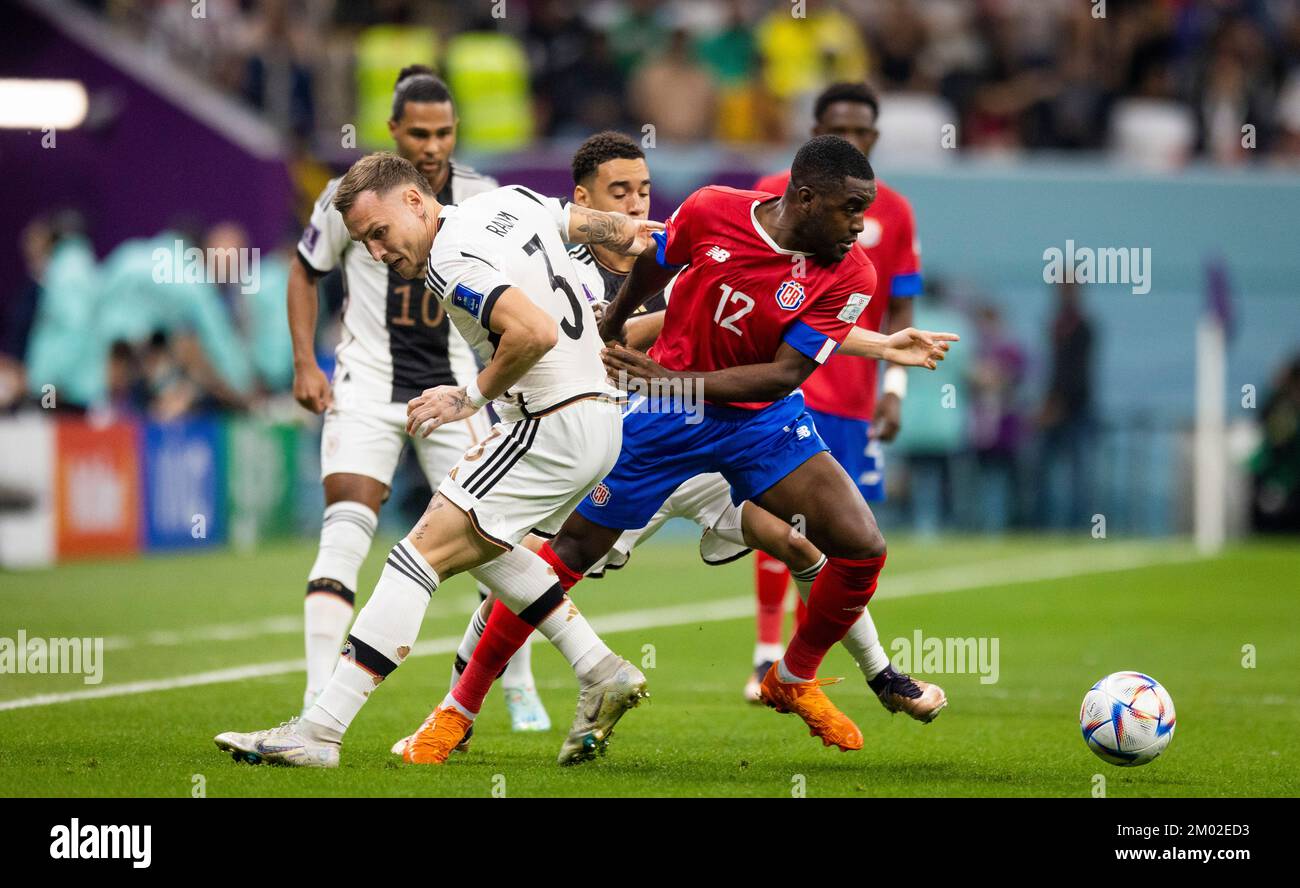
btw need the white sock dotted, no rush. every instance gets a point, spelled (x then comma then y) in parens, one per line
(451, 701)
(567, 629)
(380, 639)
(768, 652)
(345, 535)
(786, 675)
(469, 641)
(524, 581)
(325, 619)
(862, 640)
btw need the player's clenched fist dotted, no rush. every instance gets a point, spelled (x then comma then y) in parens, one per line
(311, 388)
(436, 407)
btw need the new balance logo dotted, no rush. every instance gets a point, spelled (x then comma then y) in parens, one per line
(717, 254)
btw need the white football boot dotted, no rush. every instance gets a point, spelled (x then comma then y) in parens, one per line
(614, 687)
(281, 745)
(526, 710)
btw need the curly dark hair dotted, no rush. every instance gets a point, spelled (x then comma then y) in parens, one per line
(608, 145)
(824, 162)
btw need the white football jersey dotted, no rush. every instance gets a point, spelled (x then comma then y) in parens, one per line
(397, 340)
(602, 283)
(514, 237)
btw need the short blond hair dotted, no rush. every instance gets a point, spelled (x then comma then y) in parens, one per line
(379, 172)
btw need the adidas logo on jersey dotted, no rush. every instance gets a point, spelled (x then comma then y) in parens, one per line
(717, 254)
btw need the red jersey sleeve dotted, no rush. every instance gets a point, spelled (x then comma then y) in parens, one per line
(905, 258)
(679, 231)
(820, 330)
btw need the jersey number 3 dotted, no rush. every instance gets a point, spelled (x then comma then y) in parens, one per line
(572, 329)
(734, 297)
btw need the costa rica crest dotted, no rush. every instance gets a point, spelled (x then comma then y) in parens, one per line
(790, 295)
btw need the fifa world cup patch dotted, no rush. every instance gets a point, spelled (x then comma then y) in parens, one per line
(600, 494)
(309, 236)
(467, 299)
(853, 308)
(790, 295)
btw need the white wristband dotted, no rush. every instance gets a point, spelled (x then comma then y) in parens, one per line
(474, 394)
(896, 381)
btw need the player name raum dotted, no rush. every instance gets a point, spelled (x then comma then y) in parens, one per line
(657, 395)
(78, 841)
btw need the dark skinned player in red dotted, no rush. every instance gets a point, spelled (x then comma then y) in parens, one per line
(769, 287)
(841, 396)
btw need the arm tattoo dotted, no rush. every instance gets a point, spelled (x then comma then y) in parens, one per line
(607, 229)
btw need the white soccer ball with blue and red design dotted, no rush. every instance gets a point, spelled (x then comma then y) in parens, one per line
(1127, 718)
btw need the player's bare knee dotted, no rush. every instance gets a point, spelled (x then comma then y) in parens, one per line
(800, 554)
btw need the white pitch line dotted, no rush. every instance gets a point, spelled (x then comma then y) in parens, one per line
(904, 583)
(1017, 571)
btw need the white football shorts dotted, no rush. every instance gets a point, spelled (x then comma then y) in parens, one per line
(530, 474)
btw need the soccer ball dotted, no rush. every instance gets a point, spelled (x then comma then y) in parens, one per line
(1127, 718)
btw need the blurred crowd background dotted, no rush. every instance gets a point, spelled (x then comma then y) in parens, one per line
(1159, 98)
(1013, 74)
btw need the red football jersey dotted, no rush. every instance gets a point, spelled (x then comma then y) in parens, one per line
(846, 386)
(741, 295)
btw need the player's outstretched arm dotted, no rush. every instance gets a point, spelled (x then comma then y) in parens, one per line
(621, 233)
(752, 382)
(647, 278)
(527, 334)
(909, 347)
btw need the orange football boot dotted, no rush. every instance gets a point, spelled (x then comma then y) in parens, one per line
(806, 700)
(441, 732)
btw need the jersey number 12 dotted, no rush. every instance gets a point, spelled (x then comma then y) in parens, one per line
(735, 297)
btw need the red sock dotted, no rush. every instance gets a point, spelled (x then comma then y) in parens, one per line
(567, 577)
(800, 614)
(838, 596)
(504, 634)
(771, 580)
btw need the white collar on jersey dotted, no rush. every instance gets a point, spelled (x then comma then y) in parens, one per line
(767, 238)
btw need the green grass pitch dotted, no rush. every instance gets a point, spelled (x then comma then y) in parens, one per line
(1064, 613)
